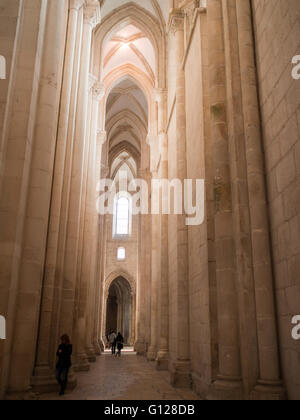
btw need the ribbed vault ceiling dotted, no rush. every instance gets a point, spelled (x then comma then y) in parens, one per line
(126, 108)
(150, 5)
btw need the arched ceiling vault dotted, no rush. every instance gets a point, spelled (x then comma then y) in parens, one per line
(129, 58)
(124, 147)
(126, 115)
(159, 8)
(132, 32)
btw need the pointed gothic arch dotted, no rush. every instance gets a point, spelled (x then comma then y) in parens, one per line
(131, 13)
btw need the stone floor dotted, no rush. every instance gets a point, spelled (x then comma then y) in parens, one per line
(129, 378)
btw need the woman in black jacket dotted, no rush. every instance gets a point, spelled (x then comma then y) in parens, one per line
(64, 353)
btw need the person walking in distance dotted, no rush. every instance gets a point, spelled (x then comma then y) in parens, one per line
(64, 353)
(112, 342)
(120, 344)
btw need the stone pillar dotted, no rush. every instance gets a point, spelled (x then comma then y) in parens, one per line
(120, 310)
(98, 240)
(133, 319)
(181, 369)
(162, 362)
(240, 203)
(104, 319)
(228, 384)
(91, 223)
(43, 379)
(152, 351)
(269, 385)
(152, 140)
(15, 149)
(72, 256)
(105, 291)
(37, 203)
(143, 276)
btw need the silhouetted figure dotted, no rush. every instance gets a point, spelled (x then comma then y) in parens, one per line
(119, 344)
(112, 342)
(64, 353)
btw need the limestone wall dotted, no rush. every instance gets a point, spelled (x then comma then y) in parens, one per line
(277, 33)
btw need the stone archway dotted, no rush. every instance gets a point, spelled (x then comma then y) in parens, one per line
(119, 295)
(119, 311)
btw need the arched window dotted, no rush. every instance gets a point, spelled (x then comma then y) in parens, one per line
(122, 217)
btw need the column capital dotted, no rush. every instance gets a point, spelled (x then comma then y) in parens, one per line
(101, 137)
(160, 94)
(98, 91)
(176, 21)
(92, 15)
(76, 4)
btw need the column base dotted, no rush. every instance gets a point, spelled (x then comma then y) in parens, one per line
(97, 348)
(82, 363)
(26, 395)
(102, 345)
(201, 386)
(91, 355)
(44, 380)
(227, 388)
(151, 355)
(140, 348)
(162, 361)
(268, 391)
(181, 375)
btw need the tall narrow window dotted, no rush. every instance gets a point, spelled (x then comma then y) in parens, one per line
(122, 216)
(121, 254)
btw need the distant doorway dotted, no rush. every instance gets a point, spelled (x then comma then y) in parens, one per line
(119, 313)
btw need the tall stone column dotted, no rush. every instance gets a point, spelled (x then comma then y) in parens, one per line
(99, 235)
(43, 378)
(96, 264)
(104, 317)
(152, 140)
(91, 222)
(104, 291)
(143, 283)
(152, 351)
(269, 385)
(72, 259)
(37, 196)
(133, 318)
(181, 369)
(162, 361)
(228, 384)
